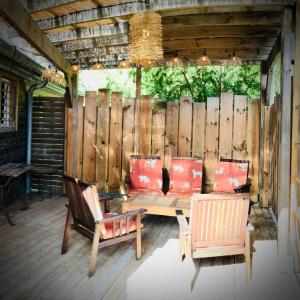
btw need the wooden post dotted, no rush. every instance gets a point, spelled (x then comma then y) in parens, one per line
(75, 123)
(263, 89)
(285, 139)
(138, 80)
(295, 171)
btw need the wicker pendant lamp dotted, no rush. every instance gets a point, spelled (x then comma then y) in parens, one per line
(203, 60)
(145, 38)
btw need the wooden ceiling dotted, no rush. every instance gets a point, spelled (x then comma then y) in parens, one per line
(87, 31)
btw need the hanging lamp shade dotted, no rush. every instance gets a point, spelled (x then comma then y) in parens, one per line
(75, 69)
(175, 61)
(54, 77)
(235, 60)
(145, 38)
(97, 66)
(124, 64)
(203, 60)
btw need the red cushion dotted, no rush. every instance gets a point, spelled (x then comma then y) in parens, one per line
(146, 173)
(109, 227)
(229, 175)
(186, 176)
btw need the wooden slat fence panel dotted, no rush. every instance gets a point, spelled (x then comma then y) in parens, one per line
(171, 141)
(239, 128)
(115, 158)
(145, 121)
(128, 135)
(185, 127)
(48, 136)
(226, 118)
(199, 120)
(102, 138)
(89, 137)
(188, 129)
(211, 139)
(158, 131)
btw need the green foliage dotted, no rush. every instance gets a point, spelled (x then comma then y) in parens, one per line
(170, 84)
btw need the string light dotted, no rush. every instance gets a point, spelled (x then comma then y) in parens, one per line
(75, 69)
(97, 66)
(124, 64)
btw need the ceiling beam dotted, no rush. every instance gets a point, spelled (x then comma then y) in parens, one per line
(15, 14)
(263, 18)
(127, 9)
(40, 5)
(234, 43)
(187, 32)
(91, 32)
(273, 54)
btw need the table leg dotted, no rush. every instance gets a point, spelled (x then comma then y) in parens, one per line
(21, 196)
(3, 197)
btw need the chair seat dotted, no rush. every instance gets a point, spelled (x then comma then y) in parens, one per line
(109, 227)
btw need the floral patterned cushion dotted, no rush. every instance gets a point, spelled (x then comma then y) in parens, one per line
(186, 175)
(146, 173)
(229, 175)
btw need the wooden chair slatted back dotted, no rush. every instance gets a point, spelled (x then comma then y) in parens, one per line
(219, 221)
(80, 210)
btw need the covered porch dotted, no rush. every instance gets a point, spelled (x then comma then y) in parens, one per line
(92, 137)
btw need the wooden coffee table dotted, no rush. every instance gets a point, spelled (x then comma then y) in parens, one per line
(158, 205)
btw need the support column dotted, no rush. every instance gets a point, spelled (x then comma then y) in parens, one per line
(74, 95)
(284, 182)
(295, 170)
(138, 80)
(263, 93)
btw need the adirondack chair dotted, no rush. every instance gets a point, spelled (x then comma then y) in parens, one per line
(217, 227)
(85, 216)
(231, 176)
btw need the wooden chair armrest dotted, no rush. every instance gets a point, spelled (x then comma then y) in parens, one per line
(183, 224)
(131, 213)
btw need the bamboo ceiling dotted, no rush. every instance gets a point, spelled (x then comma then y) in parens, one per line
(90, 31)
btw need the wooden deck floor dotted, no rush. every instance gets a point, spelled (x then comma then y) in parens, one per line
(31, 266)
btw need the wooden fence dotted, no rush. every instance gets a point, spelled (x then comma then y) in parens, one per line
(226, 127)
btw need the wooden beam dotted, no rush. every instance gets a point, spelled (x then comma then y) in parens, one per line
(188, 32)
(285, 138)
(90, 32)
(274, 53)
(262, 18)
(34, 6)
(244, 42)
(14, 13)
(295, 163)
(127, 9)
(138, 81)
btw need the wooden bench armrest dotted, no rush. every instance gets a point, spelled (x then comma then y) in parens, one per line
(131, 213)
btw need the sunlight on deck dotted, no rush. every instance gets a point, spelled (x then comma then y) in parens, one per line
(163, 276)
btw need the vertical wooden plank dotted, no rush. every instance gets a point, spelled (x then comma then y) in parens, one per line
(89, 138)
(287, 38)
(145, 132)
(158, 132)
(69, 144)
(115, 144)
(171, 140)
(266, 165)
(80, 116)
(226, 118)
(185, 127)
(138, 79)
(102, 139)
(199, 121)
(211, 139)
(75, 122)
(253, 145)
(137, 125)
(128, 135)
(239, 146)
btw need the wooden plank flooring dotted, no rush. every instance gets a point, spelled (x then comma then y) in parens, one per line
(31, 266)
